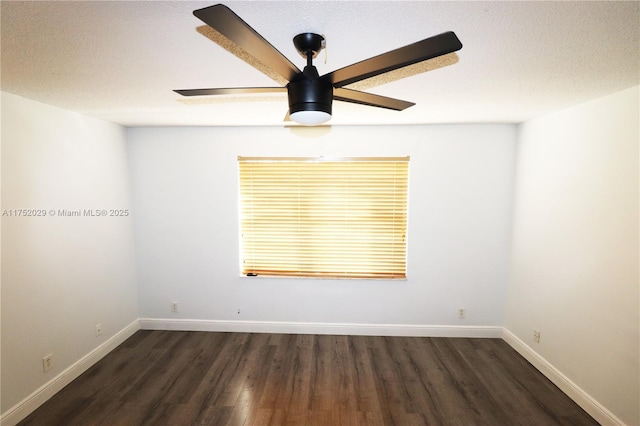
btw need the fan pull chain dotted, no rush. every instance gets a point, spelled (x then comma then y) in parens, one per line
(324, 46)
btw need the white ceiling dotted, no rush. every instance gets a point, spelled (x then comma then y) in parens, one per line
(120, 60)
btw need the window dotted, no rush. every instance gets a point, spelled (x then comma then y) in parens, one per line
(317, 217)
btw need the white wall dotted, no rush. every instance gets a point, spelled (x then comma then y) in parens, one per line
(574, 265)
(186, 225)
(61, 275)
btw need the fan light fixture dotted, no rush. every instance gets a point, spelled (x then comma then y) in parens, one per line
(310, 118)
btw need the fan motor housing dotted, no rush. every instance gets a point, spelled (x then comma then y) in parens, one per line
(307, 94)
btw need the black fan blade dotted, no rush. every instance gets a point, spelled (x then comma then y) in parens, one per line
(408, 55)
(226, 22)
(357, 97)
(231, 91)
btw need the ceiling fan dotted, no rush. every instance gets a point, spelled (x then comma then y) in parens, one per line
(311, 95)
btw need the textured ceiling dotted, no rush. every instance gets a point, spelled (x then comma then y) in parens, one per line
(120, 60)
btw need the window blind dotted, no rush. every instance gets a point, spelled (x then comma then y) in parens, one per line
(317, 217)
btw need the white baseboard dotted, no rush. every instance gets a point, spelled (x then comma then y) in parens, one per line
(321, 328)
(25, 407)
(573, 391)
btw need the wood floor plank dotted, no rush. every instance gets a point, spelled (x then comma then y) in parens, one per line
(301, 376)
(247, 379)
(251, 380)
(484, 408)
(364, 387)
(320, 396)
(391, 391)
(419, 393)
(342, 390)
(279, 386)
(210, 391)
(491, 372)
(202, 354)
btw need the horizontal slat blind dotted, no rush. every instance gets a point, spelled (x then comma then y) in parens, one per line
(339, 218)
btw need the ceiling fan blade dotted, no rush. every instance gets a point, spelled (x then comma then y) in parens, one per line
(230, 91)
(357, 97)
(226, 22)
(429, 48)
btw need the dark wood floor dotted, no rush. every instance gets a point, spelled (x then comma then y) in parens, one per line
(200, 378)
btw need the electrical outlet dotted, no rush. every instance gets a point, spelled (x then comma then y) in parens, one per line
(536, 336)
(98, 329)
(462, 312)
(47, 363)
(174, 306)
